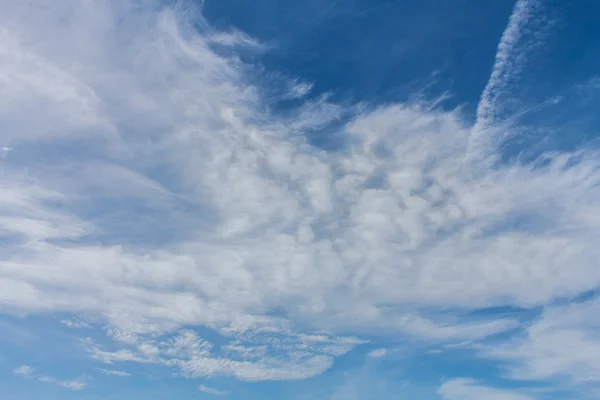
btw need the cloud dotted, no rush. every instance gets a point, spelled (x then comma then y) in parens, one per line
(378, 353)
(563, 344)
(521, 36)
(74, 323)
(73, 384)
(236, 38)
(507, 62)
(298, 90)
(258, 356)
(156, 191)
(466, 389)
(211, 390)
(24, 370)
(114, 373)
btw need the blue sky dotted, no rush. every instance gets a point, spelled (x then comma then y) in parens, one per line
(313, 200)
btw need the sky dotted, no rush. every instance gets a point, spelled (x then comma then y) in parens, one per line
(341, 200)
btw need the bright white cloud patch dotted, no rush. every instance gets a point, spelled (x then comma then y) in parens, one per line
(151, 188)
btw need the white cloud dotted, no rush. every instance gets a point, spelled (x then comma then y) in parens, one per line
(508, 61)
(24, 370)
(114, 372)
(258, 356)
(236, 38)
(74, 323)
(73, 384)
(563, 344)
(378, 353)
(211, 390)
(467, 389)
(298, 90)
(521, 36)
(165, 195)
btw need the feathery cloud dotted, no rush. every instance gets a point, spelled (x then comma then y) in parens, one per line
(211, 390)
(73, 384)
(509, 58)
(122, 374)
(563, 344)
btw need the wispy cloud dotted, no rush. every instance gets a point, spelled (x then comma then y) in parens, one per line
(511, 56)
(114, 372)
(563, 345)
(297, 90)
(377, 353)
(24, 370)
(211, 390)
(73, 384)
(74, 323)
(27, 371)
(236, 38)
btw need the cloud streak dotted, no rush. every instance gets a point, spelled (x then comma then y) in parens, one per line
(122, 374)
(211, 390)
(27, 371)
(517, 41)
(73, 384)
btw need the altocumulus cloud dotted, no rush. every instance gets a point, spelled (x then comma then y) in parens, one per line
(150, 188)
